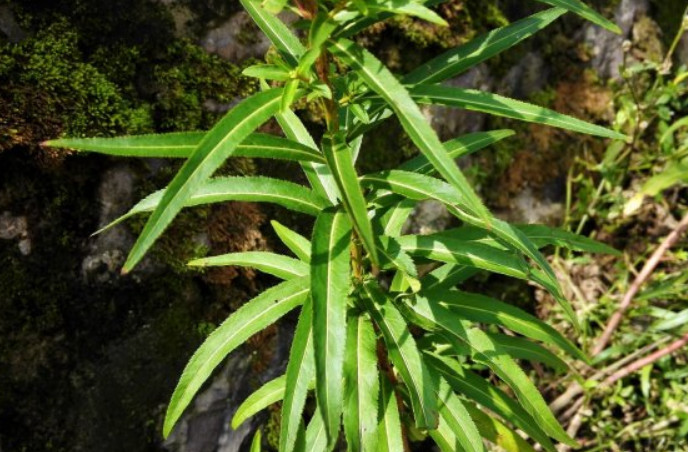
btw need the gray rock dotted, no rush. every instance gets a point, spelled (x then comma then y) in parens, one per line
(452, 122)
(607, 47)
(236, 39)
(9, 26)
(108, 250)
(15, 228)
(527, 77)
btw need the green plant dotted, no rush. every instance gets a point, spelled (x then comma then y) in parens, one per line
(387, 349)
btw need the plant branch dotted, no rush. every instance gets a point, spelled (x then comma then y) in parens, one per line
(644, 274)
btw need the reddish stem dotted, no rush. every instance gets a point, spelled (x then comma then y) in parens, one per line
(644, 274)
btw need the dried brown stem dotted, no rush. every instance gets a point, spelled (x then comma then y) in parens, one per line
(644, 274)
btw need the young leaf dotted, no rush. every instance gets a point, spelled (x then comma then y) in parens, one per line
(459, 59)
(251, 188)
(483, 309)
(182, 145)
(267, 72)
(299, 375)
(298, 244)
(256, 442)
(389, 436)
(361, 386)
(476, 388)
(497, 105)
(404, 355)
(275, 264)
(341, 164)
(330, 285)
(289, 94)
(218, 144)
(580, 8)
(271, 392)
(252, 317)
(381, 80)
(281, 37)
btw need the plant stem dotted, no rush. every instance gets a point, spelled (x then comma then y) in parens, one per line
(644, 274)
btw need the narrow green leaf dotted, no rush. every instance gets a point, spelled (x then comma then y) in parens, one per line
(454, 414)
(289, 94)
(361, 386)
(394, 257)
(497, 433)
(432, 315)
(459, 59)
(391, 221)
(380, 79)
(389, 437)
(251, 188)
(542, 235)
(182, 145)
(330, 285)
(521, 348)
(321, 29)
(478, 255)
(298, 244)
(580, 8)
(474, 387)
(409, 8)
(271, 392)
(483, 309)
(341, 164)
(299, 375)
(404, 355)
(276, 31)
(274, 264)
(446, 277)
(218, 144)
(267, 72)
(274, 6)
(316, 434)
(252, 317)
(318, 174)
(457, 148)
(257, 439)
(497, 105)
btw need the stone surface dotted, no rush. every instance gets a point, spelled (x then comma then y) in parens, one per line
(9, 26)
(15, 228)
(236, 39)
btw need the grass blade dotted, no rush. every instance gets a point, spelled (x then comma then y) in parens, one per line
(251, 318)
(330, 284)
